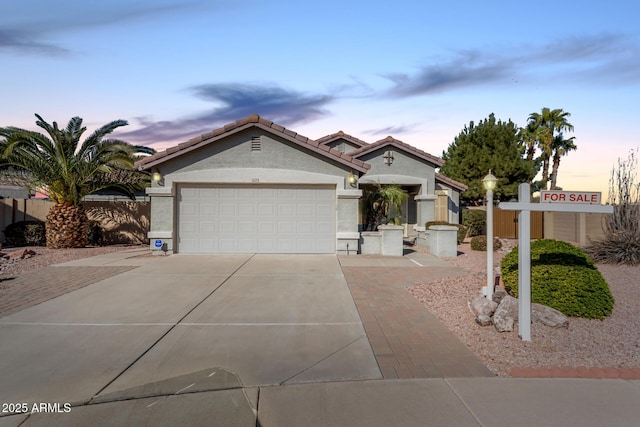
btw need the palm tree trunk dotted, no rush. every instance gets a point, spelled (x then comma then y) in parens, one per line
(67, 226)
(554, 170)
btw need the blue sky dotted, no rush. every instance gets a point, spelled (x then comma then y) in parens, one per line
(419, 71)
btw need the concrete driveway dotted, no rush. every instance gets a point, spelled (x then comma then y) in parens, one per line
(182, 324)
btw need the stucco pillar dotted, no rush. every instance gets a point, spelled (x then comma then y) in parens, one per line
(347, 236)
(161, 227)
(426, 209)
(391, 240)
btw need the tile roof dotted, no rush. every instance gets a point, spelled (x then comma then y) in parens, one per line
(247, 122)
(436, 161)
(451, 182)
(341, 135)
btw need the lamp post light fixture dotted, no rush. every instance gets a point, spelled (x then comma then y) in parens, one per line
(489, 183)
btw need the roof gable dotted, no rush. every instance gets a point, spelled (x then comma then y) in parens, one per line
(399, 145)
(456, 185)
(325, 140)
(240, 125)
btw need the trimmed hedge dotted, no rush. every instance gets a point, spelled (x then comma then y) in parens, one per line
(25, 233)
(562, 277)
(479, 243)
(462, 230)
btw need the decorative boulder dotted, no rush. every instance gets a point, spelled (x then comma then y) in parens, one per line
(549, 316)
(503, 324)
(482, 306)
(506, 314)
(498, 294)
(484, 320)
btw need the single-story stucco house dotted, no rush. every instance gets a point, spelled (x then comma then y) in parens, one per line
(254, 186)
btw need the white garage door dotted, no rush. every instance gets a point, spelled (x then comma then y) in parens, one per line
(256, 219)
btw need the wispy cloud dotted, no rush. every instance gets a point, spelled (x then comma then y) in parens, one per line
(27, 30)
(392, 130)
(235, 101)
(610, 59)
(25, 43)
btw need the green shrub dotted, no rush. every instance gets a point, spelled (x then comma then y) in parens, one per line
(479, 243)
(563, 277)
(462, 230)
(95, 234)
(475, 221)
(25, 233)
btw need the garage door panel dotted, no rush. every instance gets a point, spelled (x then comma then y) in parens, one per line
(257, 219)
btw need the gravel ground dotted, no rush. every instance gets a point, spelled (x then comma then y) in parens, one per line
(44, 257)
(614, 342)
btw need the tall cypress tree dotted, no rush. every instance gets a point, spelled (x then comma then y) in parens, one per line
(491, 144)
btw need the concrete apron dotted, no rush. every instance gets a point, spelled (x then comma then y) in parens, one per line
(182, 323)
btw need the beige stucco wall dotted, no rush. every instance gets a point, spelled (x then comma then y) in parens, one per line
(578, 228)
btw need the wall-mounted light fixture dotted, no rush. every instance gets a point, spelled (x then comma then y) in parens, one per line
(352, 179)
(388, 157)
(157, 177)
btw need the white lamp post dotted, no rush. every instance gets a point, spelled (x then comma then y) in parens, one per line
(489, 182)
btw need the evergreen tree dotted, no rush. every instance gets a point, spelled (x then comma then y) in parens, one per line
(492, 144)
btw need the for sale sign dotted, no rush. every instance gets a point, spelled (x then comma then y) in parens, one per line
(553, 196)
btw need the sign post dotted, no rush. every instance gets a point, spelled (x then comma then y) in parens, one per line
(554, 201)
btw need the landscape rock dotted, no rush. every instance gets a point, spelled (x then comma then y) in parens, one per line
(28, 253)
(549, 316)
(482, 306)
(484, 320)
(508, 307)
(503, 323)
(506, 314)
(498, 294)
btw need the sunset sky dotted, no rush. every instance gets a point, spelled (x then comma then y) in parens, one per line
(417, 70)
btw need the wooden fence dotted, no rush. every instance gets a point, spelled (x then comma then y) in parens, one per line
(505, 224)
(121, 221)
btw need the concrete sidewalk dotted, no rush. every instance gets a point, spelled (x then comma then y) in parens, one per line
(460, 402)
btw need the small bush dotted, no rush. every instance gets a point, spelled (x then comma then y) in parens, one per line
(475, 221)
(95, 234)
(562, 277)
(479, 243)
(462, 230)
(25, 233)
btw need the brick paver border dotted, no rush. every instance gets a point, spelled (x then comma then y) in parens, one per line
(407, 340)
(577, 372)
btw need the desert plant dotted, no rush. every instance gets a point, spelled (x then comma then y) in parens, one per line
(379, 201)
(621, 244)
(25, 233)
(475, 221)
(479, 243)
(69, 169)
(562, 277)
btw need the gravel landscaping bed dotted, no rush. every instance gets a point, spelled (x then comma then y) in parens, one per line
(613, 342)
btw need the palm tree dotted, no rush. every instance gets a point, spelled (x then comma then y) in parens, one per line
(561, 147)
(69, 170)
(546, 124)
(379, 201)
